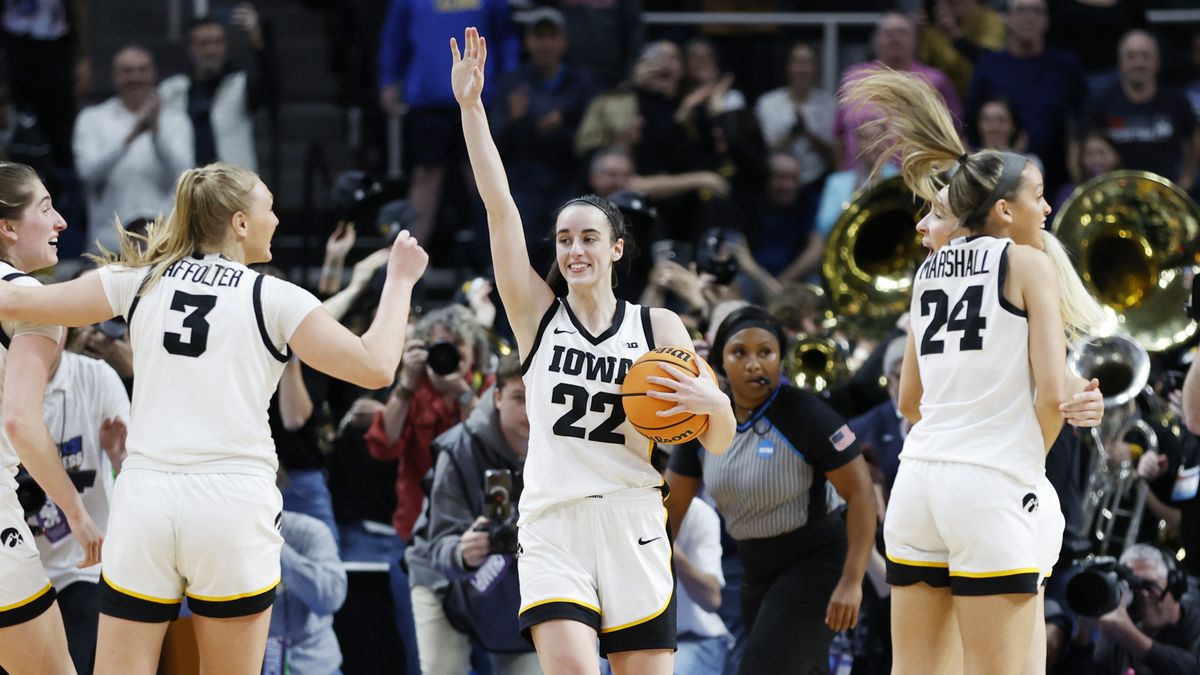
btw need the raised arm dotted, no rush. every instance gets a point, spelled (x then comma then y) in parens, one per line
(525, 294)
(79, 302)
(369, 361)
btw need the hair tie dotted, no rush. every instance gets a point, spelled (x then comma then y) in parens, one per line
(962, 159)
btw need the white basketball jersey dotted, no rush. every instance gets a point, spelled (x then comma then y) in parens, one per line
(973, 354)
(580, 444)
(8, 330)
(209, 345)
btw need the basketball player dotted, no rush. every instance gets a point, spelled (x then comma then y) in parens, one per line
(196, 510)
(983, 379)
(594, 551)
(32, 637)
(1086, 409)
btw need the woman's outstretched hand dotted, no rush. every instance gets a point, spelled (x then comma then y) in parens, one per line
(466, 76)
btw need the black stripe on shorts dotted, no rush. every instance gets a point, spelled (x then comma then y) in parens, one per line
(232, 609)
(899, 574)
(32, 609)
(656, 633)
(121, 605)
(550, 611)
(1025, 582)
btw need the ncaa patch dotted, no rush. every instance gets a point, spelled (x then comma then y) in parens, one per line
(842, 438)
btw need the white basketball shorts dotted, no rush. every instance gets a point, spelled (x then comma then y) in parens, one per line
(212, 536)
(604, 561)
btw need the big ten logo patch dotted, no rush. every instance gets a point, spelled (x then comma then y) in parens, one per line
(71, 451)
(1030, 502)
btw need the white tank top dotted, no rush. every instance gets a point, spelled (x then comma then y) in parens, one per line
(580, 444)
(973, 355)
(209, 345)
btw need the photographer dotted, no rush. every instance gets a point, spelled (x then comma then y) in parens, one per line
(478, 470)
(1155, 628)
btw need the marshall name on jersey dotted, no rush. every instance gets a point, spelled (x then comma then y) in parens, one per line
(580, 444)
(973, 355)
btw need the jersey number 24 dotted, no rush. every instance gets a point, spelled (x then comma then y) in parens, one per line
(965, 319)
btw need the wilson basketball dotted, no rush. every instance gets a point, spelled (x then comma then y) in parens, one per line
(641, 410)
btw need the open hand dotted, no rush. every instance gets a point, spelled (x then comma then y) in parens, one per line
(87, 535)
(112, 440)
(697, 394)
(338, 246)
(466, 75)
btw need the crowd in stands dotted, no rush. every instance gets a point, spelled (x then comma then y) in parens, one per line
(731, 184)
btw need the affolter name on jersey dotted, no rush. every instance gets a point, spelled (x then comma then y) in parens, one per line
(207, 274)
(955, 262)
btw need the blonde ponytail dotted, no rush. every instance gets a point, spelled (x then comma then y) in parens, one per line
(1082, 315)
(205, 200)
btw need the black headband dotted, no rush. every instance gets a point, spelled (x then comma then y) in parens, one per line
(1010, 176)
(618, 225)
(755, 322)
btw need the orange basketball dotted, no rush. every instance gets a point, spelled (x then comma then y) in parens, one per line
(641, 410)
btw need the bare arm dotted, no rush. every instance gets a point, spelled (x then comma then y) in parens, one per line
(664, 186)
(1034, 276)
(26, 374)
(295, 404)
(807, 262)
(369, 361)
(853, 483)
(703, 588)
(79, 302)
(526, 296)
(1191, 397)
(339, 305)
(698, 394)
(682, 489)
(911, 389)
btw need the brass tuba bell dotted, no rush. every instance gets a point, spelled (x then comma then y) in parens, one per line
(870, 257)
(1130, 233)
(814, 362)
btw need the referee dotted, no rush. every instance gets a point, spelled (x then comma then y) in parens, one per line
(803, 564)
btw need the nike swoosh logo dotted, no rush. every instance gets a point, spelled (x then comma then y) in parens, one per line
(643, 542)
(559, 331)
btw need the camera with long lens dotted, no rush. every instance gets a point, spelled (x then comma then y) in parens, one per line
(498, 508)
(32, 497)
(710, 260)
(1099, 588)
(364, 199)
(443, 357)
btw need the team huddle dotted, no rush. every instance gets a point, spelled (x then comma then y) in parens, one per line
(970, 536)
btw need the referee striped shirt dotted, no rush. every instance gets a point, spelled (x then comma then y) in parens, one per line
(771, 481)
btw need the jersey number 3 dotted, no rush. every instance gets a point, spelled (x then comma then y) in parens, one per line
(606, 431)
(964, 319)
(195, 308)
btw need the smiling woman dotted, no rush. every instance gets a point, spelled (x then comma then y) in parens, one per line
(587, 468)
(196, 510)
(32, 637)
